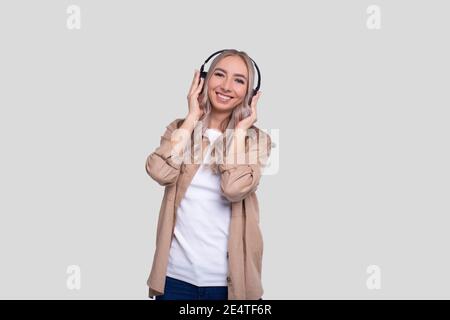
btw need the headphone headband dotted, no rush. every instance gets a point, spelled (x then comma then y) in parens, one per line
(204, 73)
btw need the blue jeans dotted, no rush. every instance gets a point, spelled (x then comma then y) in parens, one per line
(180, 290)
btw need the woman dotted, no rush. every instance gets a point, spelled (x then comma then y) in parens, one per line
(208, 243)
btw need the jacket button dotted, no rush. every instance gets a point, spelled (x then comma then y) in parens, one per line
(228, 279)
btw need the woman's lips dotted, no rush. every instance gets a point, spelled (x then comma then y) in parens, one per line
(222, 97)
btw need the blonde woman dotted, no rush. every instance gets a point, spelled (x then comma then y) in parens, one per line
(208, 243)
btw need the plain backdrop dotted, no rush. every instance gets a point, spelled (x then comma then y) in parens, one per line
(363, 144)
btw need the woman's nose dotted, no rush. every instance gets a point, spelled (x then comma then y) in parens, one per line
(226, 84)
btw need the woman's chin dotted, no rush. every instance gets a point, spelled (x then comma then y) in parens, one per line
(222, 107)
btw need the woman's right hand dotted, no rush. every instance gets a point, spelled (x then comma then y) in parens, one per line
(196, 87)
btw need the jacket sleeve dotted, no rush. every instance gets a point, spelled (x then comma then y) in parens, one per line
(159, 164)
(239, 180)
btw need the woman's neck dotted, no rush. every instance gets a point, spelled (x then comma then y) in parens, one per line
(216, 119)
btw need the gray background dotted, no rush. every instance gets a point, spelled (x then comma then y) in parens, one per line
(364, 141)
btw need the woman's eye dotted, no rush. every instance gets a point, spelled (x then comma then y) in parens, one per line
(237, 80)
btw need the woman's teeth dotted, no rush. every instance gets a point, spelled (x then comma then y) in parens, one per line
(223, 98)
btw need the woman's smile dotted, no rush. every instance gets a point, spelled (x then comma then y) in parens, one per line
(227, 85)
(222, 97)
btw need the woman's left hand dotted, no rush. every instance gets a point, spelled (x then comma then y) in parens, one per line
(246, 123)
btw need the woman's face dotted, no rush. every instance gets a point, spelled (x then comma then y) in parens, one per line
(228, 83)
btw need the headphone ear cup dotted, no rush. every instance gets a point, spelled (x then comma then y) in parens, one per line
(202, 75)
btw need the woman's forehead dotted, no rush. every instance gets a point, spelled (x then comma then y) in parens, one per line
(232, 64)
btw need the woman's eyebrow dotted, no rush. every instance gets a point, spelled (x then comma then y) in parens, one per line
(236, 74)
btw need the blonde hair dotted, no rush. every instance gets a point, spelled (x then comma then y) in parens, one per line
(228, 125)
(243, 109)
(239, 112)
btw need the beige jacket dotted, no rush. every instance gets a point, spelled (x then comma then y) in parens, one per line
(238, 184)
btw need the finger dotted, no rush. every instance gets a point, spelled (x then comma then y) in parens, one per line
(255, 99)
(200, 100)
(254, 113)
(200, 86)
(194, 81)
(258, 95)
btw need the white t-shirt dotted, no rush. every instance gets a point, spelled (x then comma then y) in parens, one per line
(198, 254)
